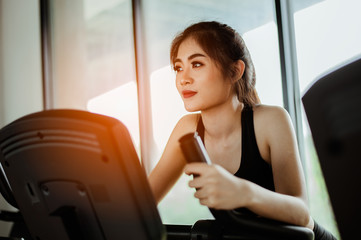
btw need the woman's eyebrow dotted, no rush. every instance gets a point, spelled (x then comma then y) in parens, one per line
(190, 57)
(196, 55)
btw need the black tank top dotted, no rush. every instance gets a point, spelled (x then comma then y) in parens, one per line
(253, 167)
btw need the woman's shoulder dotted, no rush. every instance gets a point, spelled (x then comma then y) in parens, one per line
(270, 113)
(187, 123)
(272, 125)
(271, 120)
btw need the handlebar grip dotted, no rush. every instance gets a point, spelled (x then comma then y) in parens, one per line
(193, 148)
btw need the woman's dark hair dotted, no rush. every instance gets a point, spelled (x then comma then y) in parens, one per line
(225, 46)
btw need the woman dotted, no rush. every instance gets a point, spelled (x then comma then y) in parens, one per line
(253, 149)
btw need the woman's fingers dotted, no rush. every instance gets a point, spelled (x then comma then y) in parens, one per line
(207, 199)
(216, 187)
(195, 168)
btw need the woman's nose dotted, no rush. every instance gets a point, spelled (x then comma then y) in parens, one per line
(185, 77)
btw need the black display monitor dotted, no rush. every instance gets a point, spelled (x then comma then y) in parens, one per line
(76, 175)
(333, 108)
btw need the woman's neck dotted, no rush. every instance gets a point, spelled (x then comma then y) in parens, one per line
(219, 122)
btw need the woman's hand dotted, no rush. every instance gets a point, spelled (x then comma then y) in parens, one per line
(217, 188)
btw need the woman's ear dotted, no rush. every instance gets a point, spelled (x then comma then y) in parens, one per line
(239, 70)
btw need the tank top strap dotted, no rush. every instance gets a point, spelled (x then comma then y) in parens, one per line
(249, 144)
(248, 134)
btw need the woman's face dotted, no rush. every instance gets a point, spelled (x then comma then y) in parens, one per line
(199, 81)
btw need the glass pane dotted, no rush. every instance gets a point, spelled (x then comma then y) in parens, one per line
(93, 59)
(327, 34)
(255, 21)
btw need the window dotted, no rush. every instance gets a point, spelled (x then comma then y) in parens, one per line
(327, 34)
(93, 59)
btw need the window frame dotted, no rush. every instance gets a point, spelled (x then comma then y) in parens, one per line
(289, 72)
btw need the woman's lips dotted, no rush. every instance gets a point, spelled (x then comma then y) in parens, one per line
(188, 93)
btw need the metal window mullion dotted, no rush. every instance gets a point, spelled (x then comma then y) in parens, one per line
(143, 86)
(289, 68)
(46, 55)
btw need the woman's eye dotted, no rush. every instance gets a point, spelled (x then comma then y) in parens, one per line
(197, 64)
(177, 69)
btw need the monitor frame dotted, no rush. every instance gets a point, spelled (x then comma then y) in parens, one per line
(72, 166)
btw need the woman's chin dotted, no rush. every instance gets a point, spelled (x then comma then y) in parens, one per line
(191, 108)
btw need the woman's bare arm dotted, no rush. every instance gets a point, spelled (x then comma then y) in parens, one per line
(171, 164)
(290, 204)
